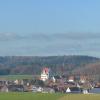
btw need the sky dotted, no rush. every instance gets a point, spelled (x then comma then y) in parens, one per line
(49, 27)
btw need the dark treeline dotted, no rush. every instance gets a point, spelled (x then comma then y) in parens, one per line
(58, 64)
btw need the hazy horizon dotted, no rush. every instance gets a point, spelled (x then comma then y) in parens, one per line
(46, 28)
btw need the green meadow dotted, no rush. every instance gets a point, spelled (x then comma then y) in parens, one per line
(45, 96)
(14, 77)
(81, 97)
(29, 96)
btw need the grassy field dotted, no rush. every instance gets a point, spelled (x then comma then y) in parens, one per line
(29, 96)
(41, 96)
(81, 97)
(14, 77)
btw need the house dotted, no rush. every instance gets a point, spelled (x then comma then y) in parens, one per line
(16, 88)
(53, 79)
(85, 91)
(39, 89)
(34, 89)
(16, 82)
(4, 88)
(71, 79)
(82, 79)
(68, 90)
(19, 82)
(3, 82)
(78, 85)
(48, 90)
(73, 90)
(45, 74)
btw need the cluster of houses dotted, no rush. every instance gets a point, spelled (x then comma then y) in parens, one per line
(47, 83)
(68, 84)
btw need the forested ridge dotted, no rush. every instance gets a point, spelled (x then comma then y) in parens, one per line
(58, 64)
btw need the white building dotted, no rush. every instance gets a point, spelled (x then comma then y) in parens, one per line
(45, 74)
(85, 91)
(71, 79)
(68, 90)
(53, 79)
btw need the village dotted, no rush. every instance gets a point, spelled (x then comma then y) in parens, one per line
(47, 83)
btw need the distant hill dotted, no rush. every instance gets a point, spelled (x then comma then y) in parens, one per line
(89, 69)
(58, 64)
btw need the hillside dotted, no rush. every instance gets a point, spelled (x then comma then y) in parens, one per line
(89, 69)
(33, 65)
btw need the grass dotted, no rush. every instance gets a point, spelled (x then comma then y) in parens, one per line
(43, 96)
(14, 77)
(29, 96)
(81, 97)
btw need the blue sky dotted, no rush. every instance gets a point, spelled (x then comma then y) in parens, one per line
(49, 27)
